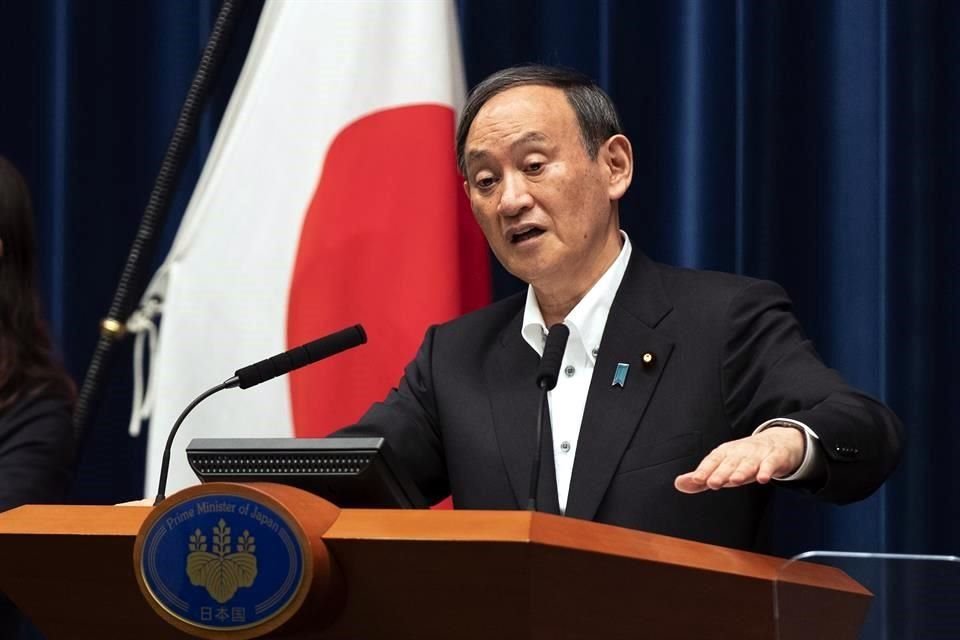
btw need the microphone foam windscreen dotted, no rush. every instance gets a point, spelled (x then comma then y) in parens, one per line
(552, 356)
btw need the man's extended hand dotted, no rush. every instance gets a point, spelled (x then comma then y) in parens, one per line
(773, 453)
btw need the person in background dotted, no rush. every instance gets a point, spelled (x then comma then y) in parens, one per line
(36, 395)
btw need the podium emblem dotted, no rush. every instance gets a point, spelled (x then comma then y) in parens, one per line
(221, 561)
(221, 571)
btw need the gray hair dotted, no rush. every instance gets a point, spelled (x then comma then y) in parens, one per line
(595, 111)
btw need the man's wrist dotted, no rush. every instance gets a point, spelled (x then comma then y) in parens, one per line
(809, 447)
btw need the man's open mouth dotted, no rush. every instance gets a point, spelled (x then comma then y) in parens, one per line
(529, 234)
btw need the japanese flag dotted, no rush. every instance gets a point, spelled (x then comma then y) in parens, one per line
(330, 198)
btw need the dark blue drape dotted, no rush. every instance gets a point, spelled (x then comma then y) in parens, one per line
(89, 94)
(814, 143)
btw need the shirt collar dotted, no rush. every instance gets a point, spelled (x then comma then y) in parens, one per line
(587, 320)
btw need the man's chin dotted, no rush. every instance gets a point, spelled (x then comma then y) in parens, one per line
(540, 276)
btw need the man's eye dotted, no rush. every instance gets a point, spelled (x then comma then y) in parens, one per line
(534, 167)
(485, 183)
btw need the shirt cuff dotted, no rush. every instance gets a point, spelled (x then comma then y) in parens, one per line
(809, 448)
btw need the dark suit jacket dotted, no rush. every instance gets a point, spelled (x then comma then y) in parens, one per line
(728, 355)
(36, 466)
(36, 452)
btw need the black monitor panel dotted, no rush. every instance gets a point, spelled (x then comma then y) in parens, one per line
(349, 472)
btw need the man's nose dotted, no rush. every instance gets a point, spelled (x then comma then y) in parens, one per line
(515, 198)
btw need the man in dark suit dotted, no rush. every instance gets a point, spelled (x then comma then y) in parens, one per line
(682, 393)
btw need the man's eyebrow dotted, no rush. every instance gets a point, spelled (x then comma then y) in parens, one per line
(530, 136)
(476, 154)
(527, 138)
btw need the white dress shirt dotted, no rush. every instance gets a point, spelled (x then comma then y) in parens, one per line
(567, 400)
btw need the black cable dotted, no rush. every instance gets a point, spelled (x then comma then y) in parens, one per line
(165, 464)
(542, 411)
(129, 287)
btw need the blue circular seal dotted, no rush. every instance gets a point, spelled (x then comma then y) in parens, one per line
(222, 561)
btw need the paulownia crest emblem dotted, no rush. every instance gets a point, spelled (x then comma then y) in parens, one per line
(221, 572)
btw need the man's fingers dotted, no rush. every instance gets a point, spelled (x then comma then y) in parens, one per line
(721, 475)
(708, 465)
(757, 458)
(689, 483)
(775, 464)
(745, 473)
(696, 480)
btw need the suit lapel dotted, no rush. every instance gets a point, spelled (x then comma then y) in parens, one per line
(511, 374)
(612, 413)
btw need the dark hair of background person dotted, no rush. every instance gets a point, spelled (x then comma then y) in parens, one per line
(595, 111)
(27, 365)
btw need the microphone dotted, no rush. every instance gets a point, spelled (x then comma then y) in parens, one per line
(547, 374)
(549, 369)
(262, 371)
(297, 357)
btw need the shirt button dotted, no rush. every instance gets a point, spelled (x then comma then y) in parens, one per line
(595, 352)
(565, 446)
(570, 370)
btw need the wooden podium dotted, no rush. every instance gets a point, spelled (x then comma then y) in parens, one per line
(434, 574)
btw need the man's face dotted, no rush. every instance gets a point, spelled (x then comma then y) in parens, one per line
(547, 210)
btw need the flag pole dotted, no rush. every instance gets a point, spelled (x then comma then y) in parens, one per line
(127, 293)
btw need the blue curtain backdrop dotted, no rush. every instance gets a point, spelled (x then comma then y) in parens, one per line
(814, 143)
(89, 94)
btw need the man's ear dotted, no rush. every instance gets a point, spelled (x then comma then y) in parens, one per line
(618, 157)
(466, 188)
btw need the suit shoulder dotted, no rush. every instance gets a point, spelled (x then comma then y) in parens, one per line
(714, 289)
(486, 322)
(34, 409)
(39, 420)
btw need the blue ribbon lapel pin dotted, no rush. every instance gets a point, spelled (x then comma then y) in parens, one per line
(620, 374)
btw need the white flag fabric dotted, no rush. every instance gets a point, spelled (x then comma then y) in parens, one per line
(330, 198)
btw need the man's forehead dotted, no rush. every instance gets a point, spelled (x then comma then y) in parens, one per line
(525, 114)
(528, 137)
(536, 100)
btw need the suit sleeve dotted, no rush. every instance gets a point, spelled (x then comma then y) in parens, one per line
(36, 453)
(771, 370)
(407, 419)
